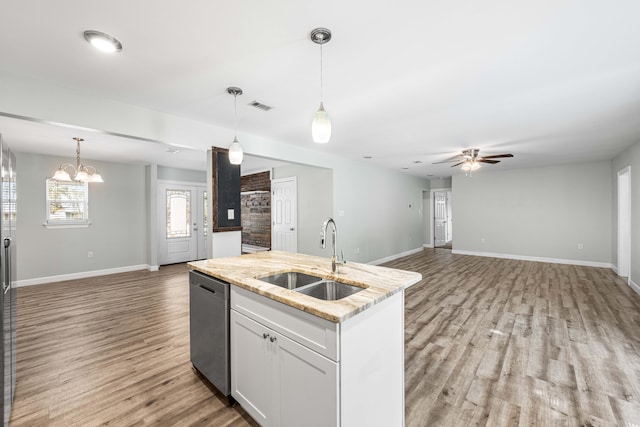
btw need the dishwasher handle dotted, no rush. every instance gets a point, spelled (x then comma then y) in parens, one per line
(206, 288)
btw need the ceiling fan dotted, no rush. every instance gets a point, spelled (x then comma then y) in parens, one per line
(470, 159)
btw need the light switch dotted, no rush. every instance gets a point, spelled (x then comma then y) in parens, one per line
(230, 214)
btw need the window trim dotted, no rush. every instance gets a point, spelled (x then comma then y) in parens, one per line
(59, 223)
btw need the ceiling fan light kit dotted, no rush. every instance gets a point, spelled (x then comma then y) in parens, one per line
(321, 125)
(470, 160)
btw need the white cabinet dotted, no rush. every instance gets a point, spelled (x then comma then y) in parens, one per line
(278, 381)
(290, 368)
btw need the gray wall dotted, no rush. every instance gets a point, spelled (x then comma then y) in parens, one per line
(175, 174)
(382, 210)
(117, 211)
(630, 157)
(315, 203)
(540, 212)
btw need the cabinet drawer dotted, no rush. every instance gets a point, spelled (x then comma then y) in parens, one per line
(313, 332)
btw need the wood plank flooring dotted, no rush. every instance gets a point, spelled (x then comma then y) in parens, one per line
(488, 342)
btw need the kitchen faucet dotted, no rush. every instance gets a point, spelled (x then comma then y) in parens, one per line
(323, 238)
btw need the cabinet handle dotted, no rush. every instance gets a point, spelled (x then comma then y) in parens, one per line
(265, 335)
(272, 339)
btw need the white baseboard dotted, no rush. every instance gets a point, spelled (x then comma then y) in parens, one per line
(84, 274)
(634, 286)
(428, 246)
(396, 256)
(614, 268)
(535, 259)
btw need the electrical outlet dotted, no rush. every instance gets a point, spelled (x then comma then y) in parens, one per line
(482, 240)
(356, 250)
(90, 254)
(580, 246)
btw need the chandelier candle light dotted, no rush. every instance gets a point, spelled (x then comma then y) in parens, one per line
(81, 172)
(321, 125)
(235, 150)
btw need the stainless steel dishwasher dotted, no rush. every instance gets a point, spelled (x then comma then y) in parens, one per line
(209, 329)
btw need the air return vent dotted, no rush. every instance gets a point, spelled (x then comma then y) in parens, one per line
(260, 105)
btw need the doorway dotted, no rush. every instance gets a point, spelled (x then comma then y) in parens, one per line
(624, 222)
(284, 214)
(182, 222)
(442, 220)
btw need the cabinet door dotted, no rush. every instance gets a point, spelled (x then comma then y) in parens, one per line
(251, 367)
(307, 386)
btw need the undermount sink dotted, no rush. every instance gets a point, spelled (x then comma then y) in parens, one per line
(291, 279)
(314, 286)
(329, 290)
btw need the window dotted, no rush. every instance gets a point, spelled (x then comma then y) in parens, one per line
(67, 203)
(9, 200)
(178, 213)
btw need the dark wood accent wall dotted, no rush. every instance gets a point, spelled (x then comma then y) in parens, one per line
(225, 192)
(256, 182)
(256, 209)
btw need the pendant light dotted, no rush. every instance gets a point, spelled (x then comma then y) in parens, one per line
(321, 125)
(81, 172)
(235, 150)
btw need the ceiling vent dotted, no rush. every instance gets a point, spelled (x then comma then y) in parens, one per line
(260, 105)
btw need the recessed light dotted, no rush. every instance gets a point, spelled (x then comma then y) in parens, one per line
(103, 41)
(367, 157)
(172, 150)
(417, 161)
(405, 168)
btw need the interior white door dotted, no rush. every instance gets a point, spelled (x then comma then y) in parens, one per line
(449, 235)
(284, 214)
(180, 223)
(624, 222)
(439, 218)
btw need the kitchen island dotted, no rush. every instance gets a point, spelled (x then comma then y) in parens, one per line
(299, 360)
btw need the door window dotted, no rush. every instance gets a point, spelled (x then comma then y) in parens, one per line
(178, 214)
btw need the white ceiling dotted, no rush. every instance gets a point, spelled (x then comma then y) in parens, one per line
(550, 81)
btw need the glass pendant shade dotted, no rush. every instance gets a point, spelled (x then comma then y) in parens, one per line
(321, 126)
(235, 152)
(61, 175)
(82, 175)
(470, 166)
(96, 177)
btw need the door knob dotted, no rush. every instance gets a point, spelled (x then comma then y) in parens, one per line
(291, 229)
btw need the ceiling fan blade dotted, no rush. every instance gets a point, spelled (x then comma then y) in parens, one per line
(450, 159)
(492, 162)
(497, 156)
(447, 161)
(458, 164)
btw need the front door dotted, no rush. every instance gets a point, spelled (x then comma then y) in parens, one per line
(181, 223)
(284, 215)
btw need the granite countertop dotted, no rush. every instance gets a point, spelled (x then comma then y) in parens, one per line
(244, 271)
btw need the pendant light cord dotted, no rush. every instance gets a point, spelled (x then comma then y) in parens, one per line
(321, 79)
(235, 116)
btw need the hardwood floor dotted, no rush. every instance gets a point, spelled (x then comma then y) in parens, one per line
(502, 342)
(112, 350)
(488, 342)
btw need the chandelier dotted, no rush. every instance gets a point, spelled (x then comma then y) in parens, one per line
(82, 173)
